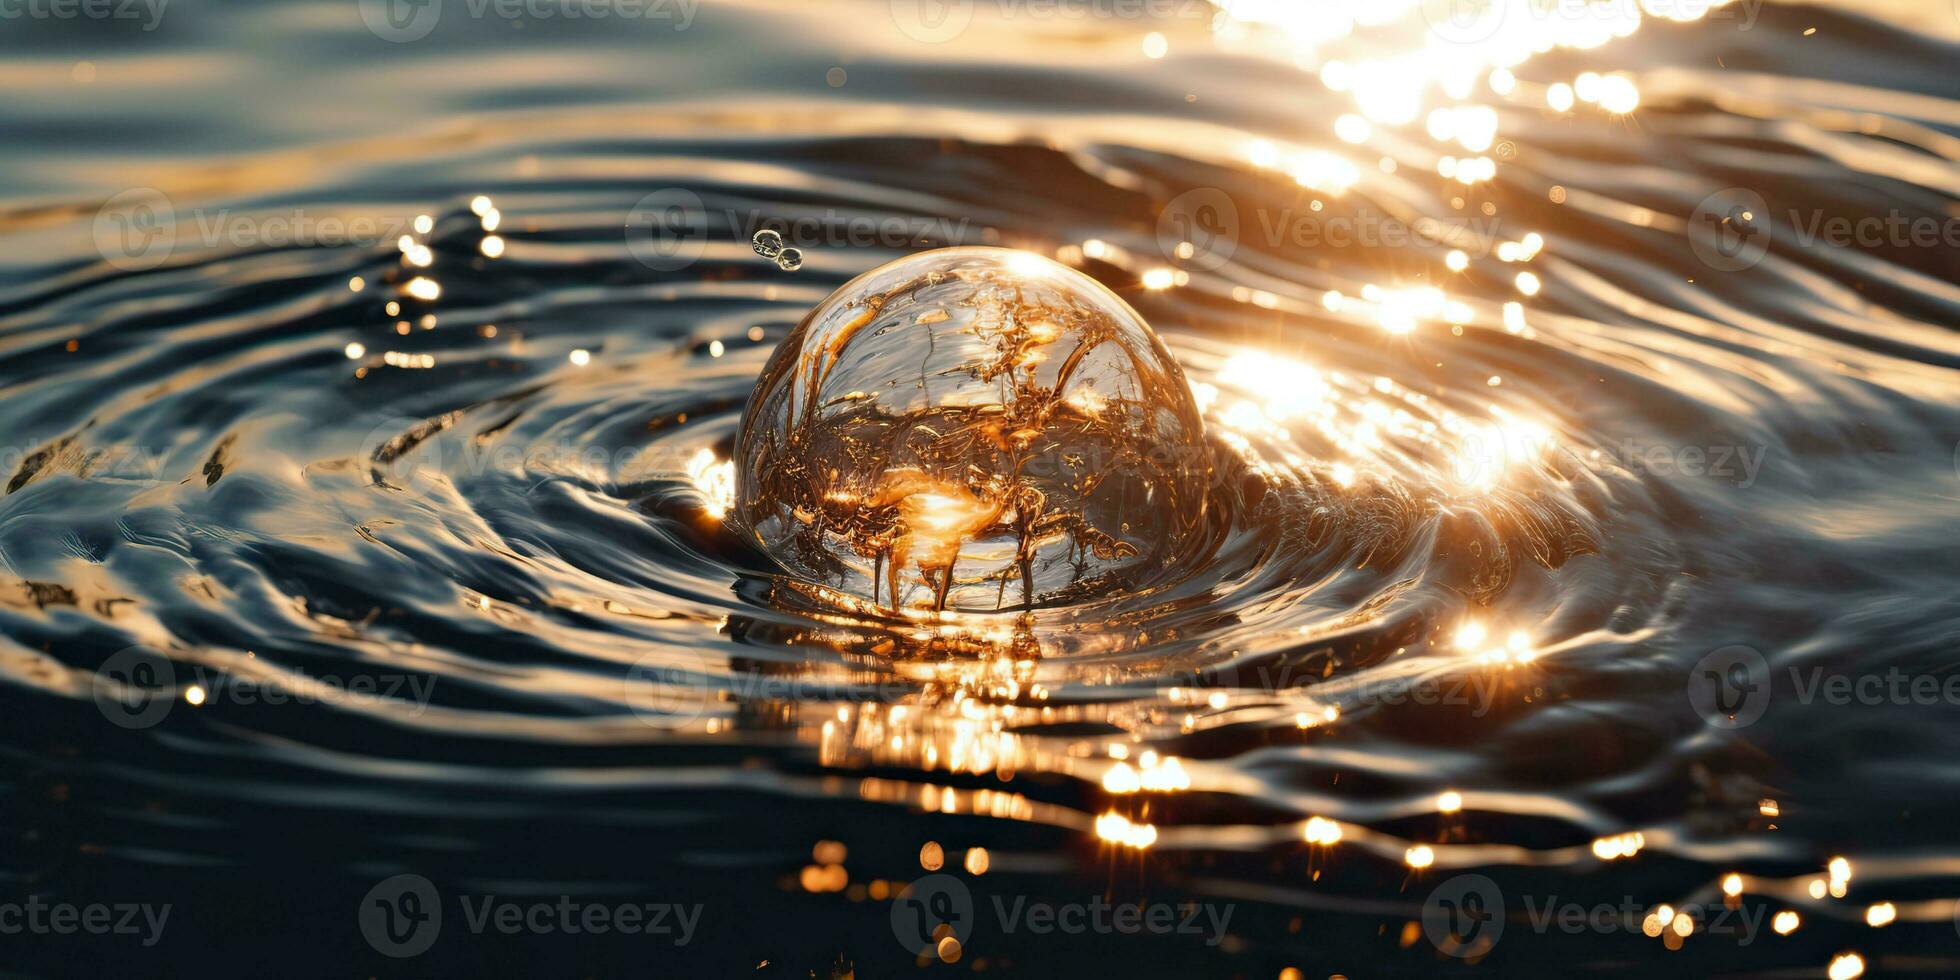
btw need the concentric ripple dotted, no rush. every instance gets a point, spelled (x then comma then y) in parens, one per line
(1498, 460)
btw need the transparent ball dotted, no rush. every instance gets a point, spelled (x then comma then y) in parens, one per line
(975, 429)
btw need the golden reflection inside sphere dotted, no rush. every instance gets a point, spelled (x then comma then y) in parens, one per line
(974, 429)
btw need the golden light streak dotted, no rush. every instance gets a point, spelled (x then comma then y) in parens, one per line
(1618, 846)
(1118, 829)
(715, 479)
(1326, 716)
(1167, 776)
(1847, 966)
(1320, 830)
(404, 359)
(1518, 645)
(1120, 778)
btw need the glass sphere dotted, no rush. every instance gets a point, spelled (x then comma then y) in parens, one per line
(975, 429)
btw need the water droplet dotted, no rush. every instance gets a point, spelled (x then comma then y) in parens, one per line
(789, 260)
(767, 243)
(923, 461)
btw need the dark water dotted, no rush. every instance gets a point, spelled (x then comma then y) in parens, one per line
(456, 602)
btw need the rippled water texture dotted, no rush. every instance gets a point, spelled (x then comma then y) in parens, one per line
(370, 400)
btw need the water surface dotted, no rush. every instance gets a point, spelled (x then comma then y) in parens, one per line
(419, 526)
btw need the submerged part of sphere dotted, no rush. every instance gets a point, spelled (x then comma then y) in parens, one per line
(975, 429)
